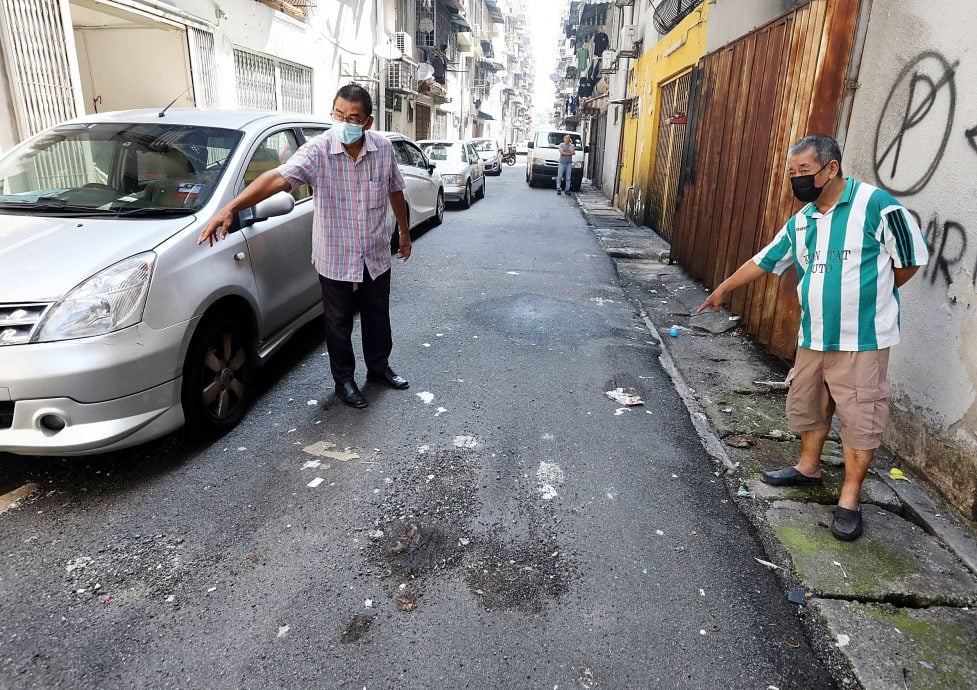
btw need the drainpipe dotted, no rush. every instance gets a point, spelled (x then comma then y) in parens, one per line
(380, 35)
(854, 67)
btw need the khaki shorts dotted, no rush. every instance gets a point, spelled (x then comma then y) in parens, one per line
(852, 384)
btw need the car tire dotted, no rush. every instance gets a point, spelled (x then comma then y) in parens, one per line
(438, 210)
(466, 201)
(481, 190)
(218, 376)
(530, 180)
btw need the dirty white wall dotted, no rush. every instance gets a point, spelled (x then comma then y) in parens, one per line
(913, 130)
(8, 129)
(731, 19)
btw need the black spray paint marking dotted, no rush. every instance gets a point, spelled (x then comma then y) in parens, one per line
(971, 135)
(947, 244)
(920, 92)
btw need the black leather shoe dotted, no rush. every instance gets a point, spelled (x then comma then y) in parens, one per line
(789, 476)
(388, 378)
(350, 394)
(847, 525)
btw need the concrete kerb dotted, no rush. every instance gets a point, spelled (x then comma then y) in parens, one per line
(856, 661)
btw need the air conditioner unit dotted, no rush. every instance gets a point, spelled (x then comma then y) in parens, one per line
(607, 59)
(405, 43)
(402, 76)
(629, 36)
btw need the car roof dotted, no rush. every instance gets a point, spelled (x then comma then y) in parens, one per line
(227, 119)
(441, 141)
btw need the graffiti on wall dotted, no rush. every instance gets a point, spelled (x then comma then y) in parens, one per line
(914, 129)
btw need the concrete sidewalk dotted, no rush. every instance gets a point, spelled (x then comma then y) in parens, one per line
(897, 606)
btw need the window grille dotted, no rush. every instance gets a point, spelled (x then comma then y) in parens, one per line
(203, 66)
(36, 52)
(299, 9)
(265, 83)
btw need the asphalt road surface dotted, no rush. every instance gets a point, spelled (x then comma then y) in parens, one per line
(502, 524)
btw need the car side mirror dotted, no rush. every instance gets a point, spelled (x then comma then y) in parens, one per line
(278, 204)
(431, 167)
(530, 145)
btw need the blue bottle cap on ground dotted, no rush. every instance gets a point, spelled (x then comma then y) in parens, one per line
(673, 332)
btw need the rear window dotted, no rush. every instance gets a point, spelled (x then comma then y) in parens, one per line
(441, 151)
(551, 140)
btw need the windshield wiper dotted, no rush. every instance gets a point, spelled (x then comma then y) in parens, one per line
(50, 204)
(152, 211)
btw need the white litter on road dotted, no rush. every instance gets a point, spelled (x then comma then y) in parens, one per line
(324, 449)
(319, 447)
(282, 631)
(368, 603)
(312, 403)
(549, 475)
(13, 498)
(465, 441)
(421, 450)
(627, 398)
(315, 482)
(619, 411)
(426, 396)
(427, 344)
(440, 411)
(512, 273)
(843, 640)
(311, 464)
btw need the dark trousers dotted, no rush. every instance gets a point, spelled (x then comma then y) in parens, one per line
(339, 302)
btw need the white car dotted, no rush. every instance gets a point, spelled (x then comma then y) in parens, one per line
(425, 190)
(461, 169)
(491, 154)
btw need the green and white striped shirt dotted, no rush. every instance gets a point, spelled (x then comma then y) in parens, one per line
(844, 259)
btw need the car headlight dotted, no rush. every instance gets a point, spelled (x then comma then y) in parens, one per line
(108, 301)
(578, 164)
(451, 179)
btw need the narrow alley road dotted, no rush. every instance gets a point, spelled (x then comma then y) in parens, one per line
(502, 524)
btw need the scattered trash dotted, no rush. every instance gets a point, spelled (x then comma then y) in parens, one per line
(702, 592)
(896, 473)
(464, 542)
(107, 598)
(512, 273)
(368, 603)
(318, 448)
(926, 664)
(170, 599)
(421, 450)
(251, 558)
(739, 442)
(315, 482)
(282, 631)
(406, 602)
(778, 435)
(291, 431)
(727, 410)
(792, 644)
(744, 491)
(427, 344)
(797, 596)
(702, 632)
(777, 385)
(426, 397)
(619, 411)
(312, 403)
(375, 534)
(767, 564)
(843, 640)
(628, 397)
(842, 568)
(465, 441)
(212, 589)
(408, 541)
(311, 464)
(673, 331)
(659, 533)
(440, 411)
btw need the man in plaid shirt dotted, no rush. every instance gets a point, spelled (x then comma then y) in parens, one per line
(353, 174)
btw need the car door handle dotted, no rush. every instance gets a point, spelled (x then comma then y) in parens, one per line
(240, 256)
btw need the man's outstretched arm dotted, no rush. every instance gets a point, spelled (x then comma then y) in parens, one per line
(744, 275)
(264, 186)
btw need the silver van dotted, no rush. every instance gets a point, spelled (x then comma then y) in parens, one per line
(115, 327)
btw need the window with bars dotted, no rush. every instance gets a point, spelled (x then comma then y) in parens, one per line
(299, 9)
(266, 83)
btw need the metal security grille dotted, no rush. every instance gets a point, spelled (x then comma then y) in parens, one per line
(265, 83)
(203, 65)
(296, 87)
(423, 124)
(35, 48)
(672, 116)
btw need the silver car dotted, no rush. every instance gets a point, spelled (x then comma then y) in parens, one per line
(115, 327)
(460, 167)
(491, 155)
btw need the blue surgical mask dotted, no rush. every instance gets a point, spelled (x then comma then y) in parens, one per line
(347, 133)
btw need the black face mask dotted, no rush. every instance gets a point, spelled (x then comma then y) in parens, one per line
(804, 188)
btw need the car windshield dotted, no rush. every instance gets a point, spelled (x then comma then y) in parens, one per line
(442, 151)
(116, 169)
(552, 140)
(485, 145)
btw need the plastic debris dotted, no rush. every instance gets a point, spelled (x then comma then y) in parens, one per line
(628, 397)
(312, 403)
(440, 411)
(896, 473)
(465, 441)
(426, 397)
(842, 568)
(406, 603)
(315, 482)
(673, 331)
(107, 598)
(375, 534)
(797, 596)
(619, 411)
(926, 664)
(739, 442)
(282, 631)
(843, 640)
(767, 564)
(368, 603)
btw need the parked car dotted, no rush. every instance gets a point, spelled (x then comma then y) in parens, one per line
(522, 148)
(542, 162)
(461, 169)
(491, 154)
(425, 191)
(115, 327)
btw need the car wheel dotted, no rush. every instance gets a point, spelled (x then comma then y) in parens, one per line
(466, 201)
(439, 209)
(217, 376)
(481, 190)
(530, 180)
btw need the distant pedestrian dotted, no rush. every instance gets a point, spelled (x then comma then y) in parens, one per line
(853, 247)
(353, 174)
(566, 165)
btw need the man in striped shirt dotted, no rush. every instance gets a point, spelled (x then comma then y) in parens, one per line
(353, 174)
(853, 246)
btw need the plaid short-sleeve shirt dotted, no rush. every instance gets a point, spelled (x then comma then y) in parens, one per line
(350, 200)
